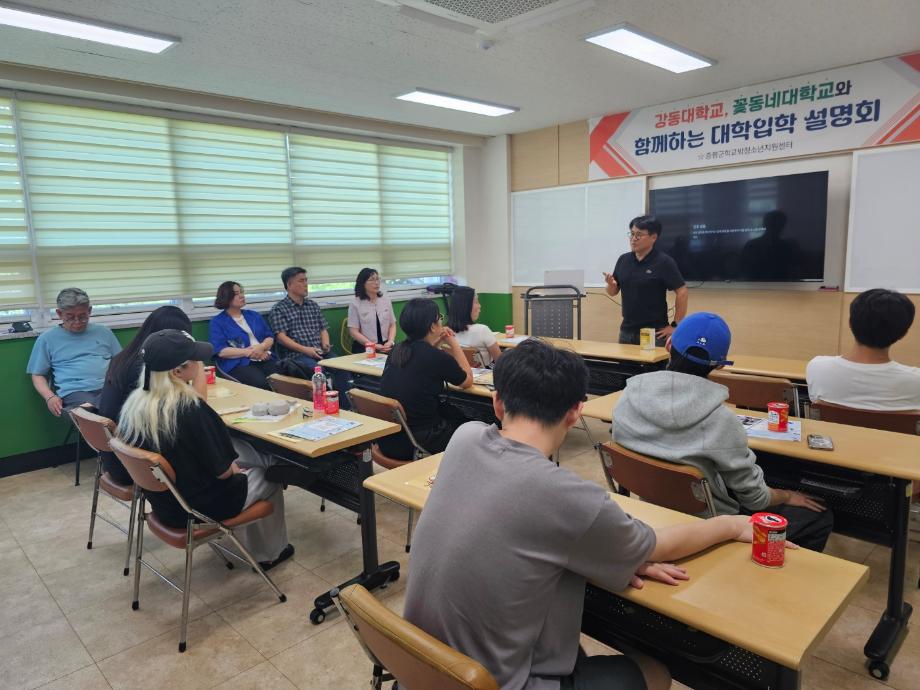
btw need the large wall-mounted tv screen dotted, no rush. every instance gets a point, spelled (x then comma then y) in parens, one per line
(765, 229)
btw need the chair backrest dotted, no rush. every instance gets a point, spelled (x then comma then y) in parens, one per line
(388, 409)
(901, 422)
(95, 429)
(472, 356)
(753, 392)
(141, 464)
(668, 484)
(301, 389)
(416, 659)
(552, 311)
(345, 339)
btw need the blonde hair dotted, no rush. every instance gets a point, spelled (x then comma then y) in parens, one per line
(149, 417)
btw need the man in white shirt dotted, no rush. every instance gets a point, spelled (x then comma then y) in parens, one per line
(866, 378)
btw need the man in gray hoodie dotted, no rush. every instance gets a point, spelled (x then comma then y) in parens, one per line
(678, 415)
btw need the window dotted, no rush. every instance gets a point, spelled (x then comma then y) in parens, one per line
(17, 287)
(144, 209)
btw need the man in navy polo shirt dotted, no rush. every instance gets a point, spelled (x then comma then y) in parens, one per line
(643, 276)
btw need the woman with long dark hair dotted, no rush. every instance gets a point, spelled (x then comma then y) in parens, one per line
(124, 372)
(464, 311)
(415, 374)
(371, 319)
(241, 339)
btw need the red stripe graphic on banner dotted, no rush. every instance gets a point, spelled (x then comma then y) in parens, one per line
(600, 135)
(911, 131)
(913, 60)
(621, 159)
(904, 125)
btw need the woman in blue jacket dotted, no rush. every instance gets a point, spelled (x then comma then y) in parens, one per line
(242, 340)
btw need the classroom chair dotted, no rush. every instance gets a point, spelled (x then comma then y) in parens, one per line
(301, 389)
(901, 422)
(97, 430)
(472, 357)
(402, 652)
(667, 484)
(389, 410)
(755, 392)
(152, 472)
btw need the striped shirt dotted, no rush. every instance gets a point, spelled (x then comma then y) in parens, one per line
(302, 323)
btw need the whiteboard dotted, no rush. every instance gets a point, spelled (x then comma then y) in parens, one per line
(570, 228)
(883, 247)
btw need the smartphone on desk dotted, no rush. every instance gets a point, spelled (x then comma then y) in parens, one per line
(819, 442)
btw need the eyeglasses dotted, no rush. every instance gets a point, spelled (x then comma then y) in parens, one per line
(636, 235)
(70, 318)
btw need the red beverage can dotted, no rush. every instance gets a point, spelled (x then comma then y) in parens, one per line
(370, 350)
(332, 402)
(509, 331)
(777, 416)
(210, 373)
(769, 542)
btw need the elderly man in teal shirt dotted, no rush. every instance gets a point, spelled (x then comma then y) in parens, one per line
(75, 352)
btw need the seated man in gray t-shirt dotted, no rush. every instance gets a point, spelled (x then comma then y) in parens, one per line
(507, 539)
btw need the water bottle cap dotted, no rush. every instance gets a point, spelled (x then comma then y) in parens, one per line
(317, 369)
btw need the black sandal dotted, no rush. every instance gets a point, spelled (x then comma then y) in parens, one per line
(285, 554)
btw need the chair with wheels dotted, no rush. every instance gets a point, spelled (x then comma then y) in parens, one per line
(153, 473)
(403, 652)
(756, 392)
(667, 484)
(389, 410)
(97, 432)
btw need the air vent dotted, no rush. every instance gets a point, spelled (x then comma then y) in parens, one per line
(489, 11)
(488, 16)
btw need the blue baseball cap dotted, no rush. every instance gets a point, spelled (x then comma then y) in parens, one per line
(706, 331)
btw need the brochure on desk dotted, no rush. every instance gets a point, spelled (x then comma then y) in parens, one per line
(756, 427)
(378, 362)
(319, 429)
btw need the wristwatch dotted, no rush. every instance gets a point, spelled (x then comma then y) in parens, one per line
(674, 324)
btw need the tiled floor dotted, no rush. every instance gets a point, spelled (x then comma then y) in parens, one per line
(66, 620)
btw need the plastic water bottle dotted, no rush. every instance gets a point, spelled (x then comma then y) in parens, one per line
(319, 390)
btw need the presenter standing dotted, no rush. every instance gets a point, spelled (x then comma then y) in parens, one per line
(644, 275)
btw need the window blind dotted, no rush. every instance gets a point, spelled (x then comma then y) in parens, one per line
(234, 211)
(103, 205)
(16, 280)
(385, 206)
(141, 208)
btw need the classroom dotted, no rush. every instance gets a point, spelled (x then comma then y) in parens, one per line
(520, 344)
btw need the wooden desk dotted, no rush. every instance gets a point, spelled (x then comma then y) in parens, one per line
(788, 611)
(893, 457)
(609, 364)
(342, 483)
(792, 369)
(475, 401)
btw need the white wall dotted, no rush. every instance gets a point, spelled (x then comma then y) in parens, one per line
(483, 256)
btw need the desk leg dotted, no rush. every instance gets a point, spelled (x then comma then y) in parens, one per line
(886, 639)
(374, 574)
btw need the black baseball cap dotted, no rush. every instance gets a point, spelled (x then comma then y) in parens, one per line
(167, 349)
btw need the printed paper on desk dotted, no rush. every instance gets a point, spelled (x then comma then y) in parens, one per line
(377, 362)
(319, 429)
(756, 427)
(517, 339)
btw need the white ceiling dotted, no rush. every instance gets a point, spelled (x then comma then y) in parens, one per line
(354, 56)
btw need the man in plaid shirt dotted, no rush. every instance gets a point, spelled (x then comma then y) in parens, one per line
(301, 331)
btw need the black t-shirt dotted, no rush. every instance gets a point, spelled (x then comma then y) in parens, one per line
(114, 394)
(201, 451)
(418, 384)
(644, 286)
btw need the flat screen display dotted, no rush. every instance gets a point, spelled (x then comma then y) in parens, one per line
(767, 229)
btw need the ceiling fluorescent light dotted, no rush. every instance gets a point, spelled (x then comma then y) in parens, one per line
(629, 41)
(443, 100)
(24, 18)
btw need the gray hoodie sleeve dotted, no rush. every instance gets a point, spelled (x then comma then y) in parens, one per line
(735, 462)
